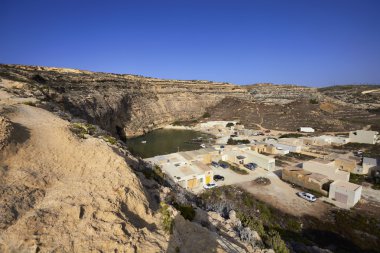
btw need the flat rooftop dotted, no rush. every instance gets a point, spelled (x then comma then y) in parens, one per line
(346, 185)
(182, 171)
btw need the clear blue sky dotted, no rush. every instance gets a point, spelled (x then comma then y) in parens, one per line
(308, 42)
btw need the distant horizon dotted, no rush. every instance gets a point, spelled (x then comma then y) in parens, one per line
(169, 78)
(310, 43)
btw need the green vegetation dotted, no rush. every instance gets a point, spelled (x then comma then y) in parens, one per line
(357, 179)
(252, 222)
(294, 135)
(185, 122)
(110, 139)
(230, 124)
(154, 173)
(299, 156)
(273, 240)
(167, 221)
(81, 129)
(253, 214)
(280, 163)
(369, 150)
(237, 142)
(30, 103)
(313, 101)
(234, 168)
(187, 211)
(206, 115)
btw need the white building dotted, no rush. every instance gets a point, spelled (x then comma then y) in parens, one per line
(325, 140)
(346, 193)
(187, 174)
(285, 145)
(306, 129)
(327, 168)
(243, 156)
(362, 136)
(369, 164)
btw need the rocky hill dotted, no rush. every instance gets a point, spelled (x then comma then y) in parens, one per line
(125, 104)
(129, 105)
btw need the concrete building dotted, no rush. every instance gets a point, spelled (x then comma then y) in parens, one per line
(265, 162)
(347, 164)
(248, 156)
(325, 140)
(327, 168)
(306, 179)
(187, 174)
(362, 136)
(306, 129)
(284, 145)
(346, 193)
(370, 164)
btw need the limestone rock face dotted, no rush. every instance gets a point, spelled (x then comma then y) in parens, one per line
(124, 104)
(5, 131)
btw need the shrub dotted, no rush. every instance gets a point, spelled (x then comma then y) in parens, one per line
(291, 135)
(110, 139)
(167, 221)
(273, 240)
(357, 179)
(206, 115)
(252, 222)
(30, 103)
(238, 170)
(80, 129)
(237, 142)
(230, 124)
(187, 211)
(313, 101)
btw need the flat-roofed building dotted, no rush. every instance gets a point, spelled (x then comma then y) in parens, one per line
(327, 168)
(186, 169)
(306, 179)
(363, 136)
(345, 192)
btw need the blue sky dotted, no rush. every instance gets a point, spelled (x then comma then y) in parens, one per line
(308, 42)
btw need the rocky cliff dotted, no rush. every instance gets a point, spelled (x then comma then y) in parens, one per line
(125, 104)
(130, 105)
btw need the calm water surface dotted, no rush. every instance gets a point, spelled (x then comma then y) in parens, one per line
(166, 141)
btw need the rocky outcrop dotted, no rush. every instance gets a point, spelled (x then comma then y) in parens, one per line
(122, 104)
(282, 94)
(5, 131)
(59, 193)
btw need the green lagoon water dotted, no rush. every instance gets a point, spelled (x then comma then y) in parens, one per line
(166, 141)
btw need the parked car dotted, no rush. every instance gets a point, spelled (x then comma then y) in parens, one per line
(215, 164)
(250, 166)
(223, 165)
(210, 185)
(267, 131)
(308, 196)
(218, 178)
(358, 153)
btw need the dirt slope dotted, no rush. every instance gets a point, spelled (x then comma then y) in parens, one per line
(59, 193)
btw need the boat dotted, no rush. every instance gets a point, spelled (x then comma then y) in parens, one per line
(143, 142)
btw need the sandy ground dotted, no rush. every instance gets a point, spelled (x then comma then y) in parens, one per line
(278, 194)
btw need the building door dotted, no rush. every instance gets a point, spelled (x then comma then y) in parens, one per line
(191, 183)
(341, 197)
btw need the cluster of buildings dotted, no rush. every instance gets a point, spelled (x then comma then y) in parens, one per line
(330, 177)
(192, 169)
